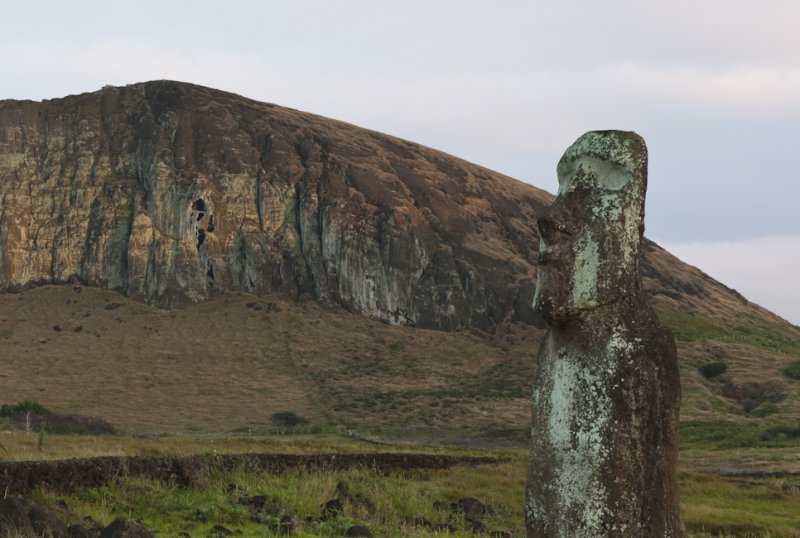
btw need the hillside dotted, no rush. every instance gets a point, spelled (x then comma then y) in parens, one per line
(230, 363)
(308, 266)
(172, 193)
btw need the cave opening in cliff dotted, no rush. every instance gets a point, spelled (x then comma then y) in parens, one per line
(201, 237)
(210, 272)
(210, 227)
(199, 205)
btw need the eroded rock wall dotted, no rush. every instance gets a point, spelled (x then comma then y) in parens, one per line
(170, 193)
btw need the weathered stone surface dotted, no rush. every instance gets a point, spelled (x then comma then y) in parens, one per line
(125, 528)
(79, 531)
(359, 530)
(14, 518)
(606, 389)
(46, 524)
(170, 192)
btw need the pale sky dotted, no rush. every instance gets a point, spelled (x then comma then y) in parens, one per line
(712, 85)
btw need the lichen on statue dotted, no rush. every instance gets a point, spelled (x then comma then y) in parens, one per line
(606, 389)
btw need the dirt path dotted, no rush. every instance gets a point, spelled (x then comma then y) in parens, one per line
(193, 471)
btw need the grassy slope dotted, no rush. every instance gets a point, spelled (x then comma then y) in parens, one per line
(223, 365)
(230, 363)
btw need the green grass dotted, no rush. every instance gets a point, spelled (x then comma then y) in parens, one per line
(753, 331)
(381, 501)
(770, 336)
(721, 435)
(384, 502)
(792, 371)
(712, 506)
(688, 328)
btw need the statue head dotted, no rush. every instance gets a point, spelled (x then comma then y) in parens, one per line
(590, 237)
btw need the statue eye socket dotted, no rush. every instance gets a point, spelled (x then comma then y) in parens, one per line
(550, 227)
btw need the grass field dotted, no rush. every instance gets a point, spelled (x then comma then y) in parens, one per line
(401, 503)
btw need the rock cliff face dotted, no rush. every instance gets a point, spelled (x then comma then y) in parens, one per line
(170, 192)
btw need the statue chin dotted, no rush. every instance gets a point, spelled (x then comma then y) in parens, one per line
(554, 316)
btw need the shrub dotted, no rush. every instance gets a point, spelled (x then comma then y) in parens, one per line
(765, 409)
(287, 419)
(751, 395)
(33, 415)
(779, 433)
(710, 370)
(28, 406)
(793, 370)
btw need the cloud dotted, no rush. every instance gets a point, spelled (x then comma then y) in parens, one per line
(766, 270)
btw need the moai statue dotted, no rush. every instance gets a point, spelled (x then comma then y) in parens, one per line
(606, 392)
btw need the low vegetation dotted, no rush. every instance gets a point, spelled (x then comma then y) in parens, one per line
(31, 416)
(753, 396)
(398, 503)
(792, 371)
(712, 370)
(298, 368)
(724, 435)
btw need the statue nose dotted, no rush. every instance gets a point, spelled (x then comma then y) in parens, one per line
(551, 227)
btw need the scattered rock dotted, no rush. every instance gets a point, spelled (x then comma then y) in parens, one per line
(343, 489)
(443, 527)
(471, 507)
(332, 509)
(14, 518)
(125, 528)
(220, 530)
(79, 531)
(260, 503)
(112, 306)
(57, 328)
(78, 328)
(287, 525)
(413, 521)
(476, 525)
(46, 524)
(343, 494)
(359, 530)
